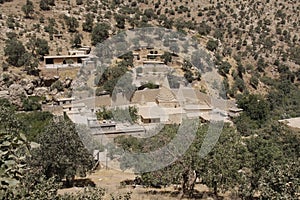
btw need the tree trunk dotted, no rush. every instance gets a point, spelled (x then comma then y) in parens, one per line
(188, 183)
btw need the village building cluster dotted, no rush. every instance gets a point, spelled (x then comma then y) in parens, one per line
(162, 105)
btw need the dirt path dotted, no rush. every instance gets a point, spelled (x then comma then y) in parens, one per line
(110, 180)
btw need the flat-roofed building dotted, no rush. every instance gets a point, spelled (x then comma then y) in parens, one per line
(64, 61)
(62, 101)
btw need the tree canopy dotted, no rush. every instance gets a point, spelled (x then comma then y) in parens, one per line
(100, 33)
(61, 152)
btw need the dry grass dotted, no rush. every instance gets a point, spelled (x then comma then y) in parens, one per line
(63, 73)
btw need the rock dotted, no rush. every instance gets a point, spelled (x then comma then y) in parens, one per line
(54, 92)
(24, 81)
(47, 82)
(49, 98)
(41, 91)
(17, 94)
(37, 82)
(28, 86)
(30, 92)
(67, 83)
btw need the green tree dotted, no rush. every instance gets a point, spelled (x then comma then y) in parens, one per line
(104, 114)
(28, 9)
(72, 23)
(188, 75)
(224, 68)
(61, 152)
(218, 170)
(34, 123)
(44, 5)
(38, 46)
(167, 57)
(254, 81)
(87, 25)
(10, 21)
(212, 45)
(203, 28)
(14, 148)
(15, 52)
(255, 107)
(79, 2)
(31, 104)
(120, 19)
(100, 33)
(280, 181)
(76, 40)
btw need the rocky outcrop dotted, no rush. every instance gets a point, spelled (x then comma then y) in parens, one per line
(41, 91)
(48, 81)
(16, 94)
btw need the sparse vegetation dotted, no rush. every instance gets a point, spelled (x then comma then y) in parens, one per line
(254, 45)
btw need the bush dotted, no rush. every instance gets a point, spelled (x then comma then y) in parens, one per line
(254, 81)
(15, 52)
(224, 68)
(212, 45)
(100, 33)
(31, 104)
(57, 85)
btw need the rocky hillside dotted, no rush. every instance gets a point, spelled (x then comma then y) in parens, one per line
(253, 41)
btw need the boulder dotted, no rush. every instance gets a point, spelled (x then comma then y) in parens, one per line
(40, 91)
(17, 94)
(67, 83)
(47, 81)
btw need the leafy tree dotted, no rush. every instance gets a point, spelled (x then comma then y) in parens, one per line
(261, 65)
(79, 2)
(280, 181)
(100, 33)
(14, 147)
(28, 9)
(120, 19)
(87, 25)
(42, 47)
(224, 68)
(57, 85)
(212, 45)
(241, 70)
(125, 115)
(167, 57)
(15, 52)
(10, 22)
(188, 75)
(294, 54)
(44, 4)
(31, 104)
(104, 114)
(34, 123)
(255, 106)
(218, 169)
(76, 40)
(38, 46)
(72, 23)
(272, 164)
(203, 28)
(240, 84)
(254, 81)
(61, 153)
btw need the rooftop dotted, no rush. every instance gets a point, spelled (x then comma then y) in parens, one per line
(292, 122)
